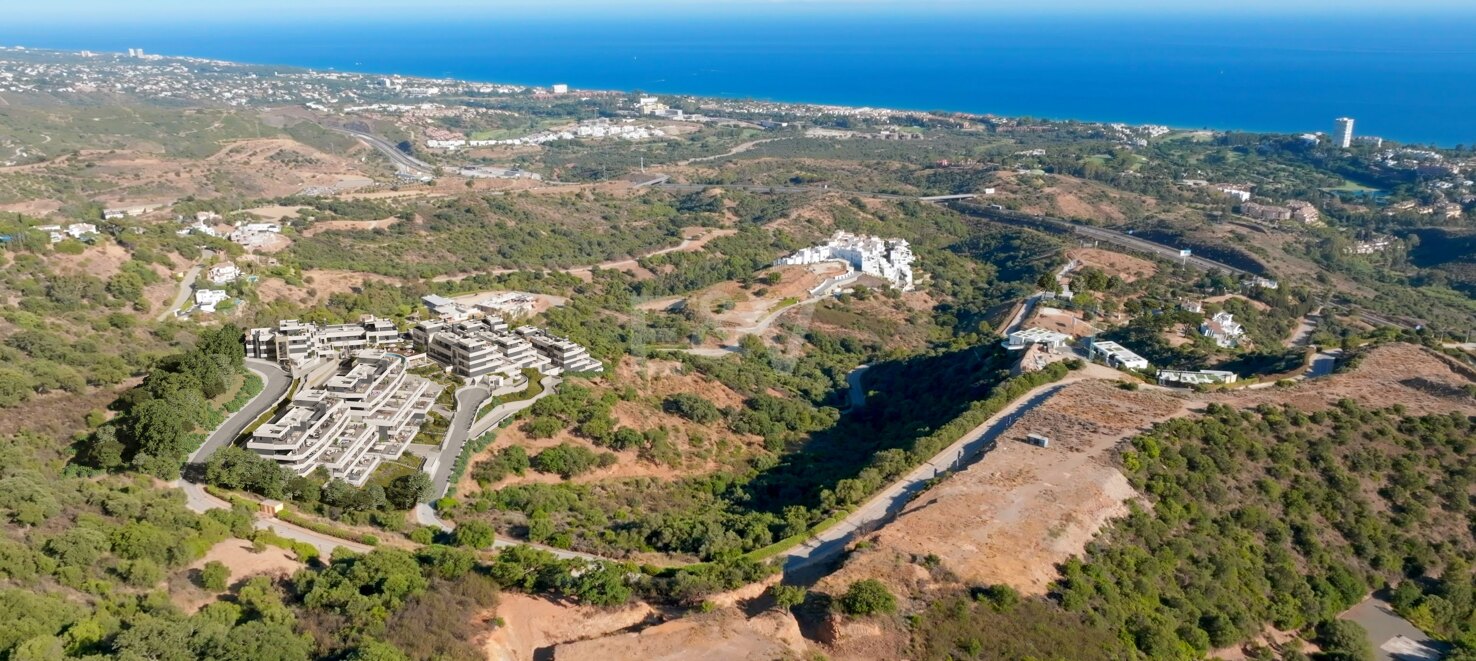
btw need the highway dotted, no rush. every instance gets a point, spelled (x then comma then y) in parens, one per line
(275, 383)
(1111, 236)
(697, 188)
(402, 161)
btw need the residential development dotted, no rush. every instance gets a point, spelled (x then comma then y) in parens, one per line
(294, 344)
(486, 351)
(890, 259)
(359, 418)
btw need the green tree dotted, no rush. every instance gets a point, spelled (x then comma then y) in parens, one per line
(868, 597)
(406, 491)
(475, 534)
(215, 576)
(787, 596)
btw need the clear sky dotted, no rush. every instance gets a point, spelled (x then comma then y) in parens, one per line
(85, 11)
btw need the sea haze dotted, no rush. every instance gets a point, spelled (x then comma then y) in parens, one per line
(1409, 79)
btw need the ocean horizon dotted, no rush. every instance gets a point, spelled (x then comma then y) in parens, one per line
(1407, 79)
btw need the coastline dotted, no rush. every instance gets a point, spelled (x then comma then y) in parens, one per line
(1405, 89)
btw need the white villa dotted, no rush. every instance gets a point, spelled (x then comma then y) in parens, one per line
(1223, 329)
(1023, 339)
(890, 259)
(224, 273)
(207, 299)
(1116, 355)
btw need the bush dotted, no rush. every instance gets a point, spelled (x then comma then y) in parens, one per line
(568, 460)
(475, 534)
(691, 407)
(788, 596)
(868, 597)
(215, 576)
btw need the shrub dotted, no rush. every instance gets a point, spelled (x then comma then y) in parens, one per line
(475, 534)
(215, 576)
(868, 597)
(691, 407)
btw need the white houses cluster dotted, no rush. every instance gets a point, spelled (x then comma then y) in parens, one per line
(889, 259)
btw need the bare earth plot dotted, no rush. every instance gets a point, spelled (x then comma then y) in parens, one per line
(1127, 267)
(1011, 517)
(532, 625)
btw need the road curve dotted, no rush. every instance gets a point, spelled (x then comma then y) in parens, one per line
(855, 390)
(275, 383)
(402, 161)
(468, 400)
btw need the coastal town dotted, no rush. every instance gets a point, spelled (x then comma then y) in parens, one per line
(386, 366)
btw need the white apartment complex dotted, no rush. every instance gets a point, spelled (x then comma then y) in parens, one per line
(294, 343)
(890, 259)
(364, 416)
(485, 350)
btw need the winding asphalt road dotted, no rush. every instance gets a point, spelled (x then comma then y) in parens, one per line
(275, 383)
(468, 400)
(855, 392)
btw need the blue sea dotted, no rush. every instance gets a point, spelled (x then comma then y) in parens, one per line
(1411, 79)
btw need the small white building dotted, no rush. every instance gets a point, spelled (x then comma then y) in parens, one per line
(224, 273)
(207, 299)
(80, 230)
(1237, 194)
(1022, 339)
(1195, 378)
(1223, 329)
(1116, 355)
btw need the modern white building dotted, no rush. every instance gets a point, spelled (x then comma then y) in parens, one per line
(1195, 378)
(890, 259)
(1343, 132)
(359, 418)
(560, 88)
(295, 343)
(1237, 194)
(81, 230)
(485, 350)
(1223, 329)
(207, 299)
(1022, 339)
(1116, 355)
